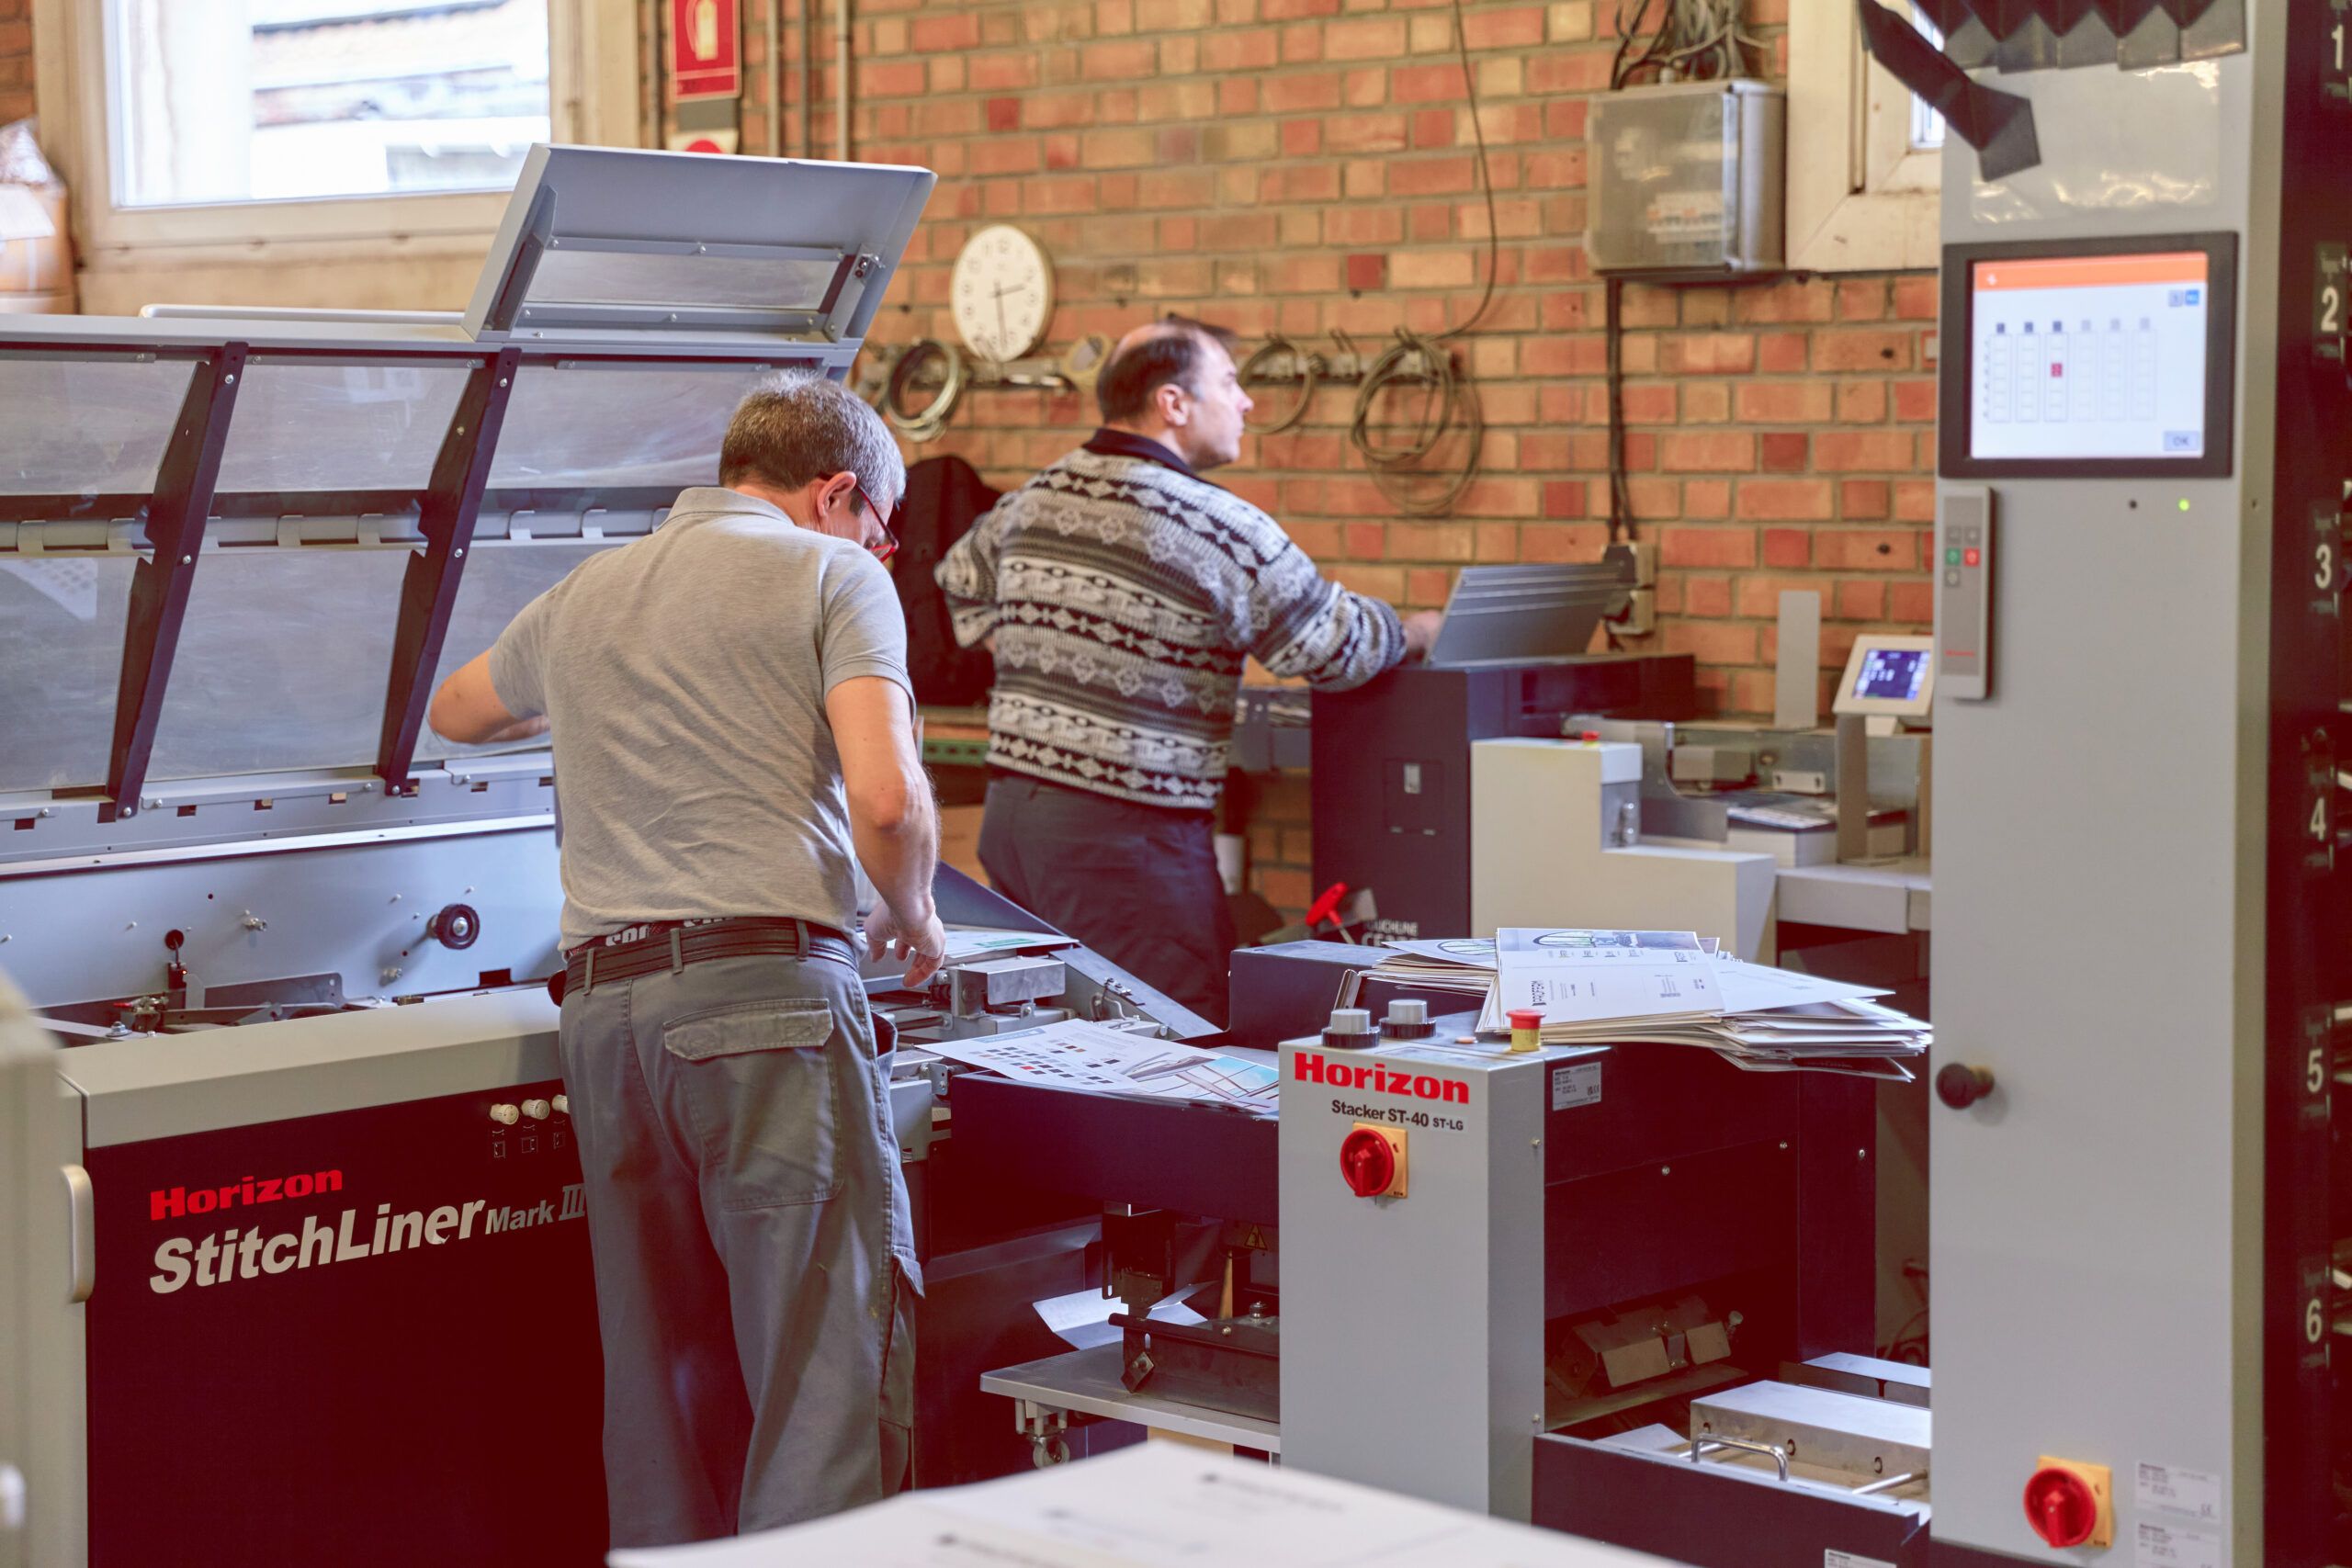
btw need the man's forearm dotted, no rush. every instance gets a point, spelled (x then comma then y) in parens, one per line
(899, 854)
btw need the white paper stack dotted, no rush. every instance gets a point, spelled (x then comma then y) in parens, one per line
(1610, 988)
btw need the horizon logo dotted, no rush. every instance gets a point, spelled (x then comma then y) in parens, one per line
(1310, 1067)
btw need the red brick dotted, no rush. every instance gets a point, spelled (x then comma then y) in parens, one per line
(1709, 354)
(1784, 452)
(1788, 547)
(1714, 642)
(1718, 451)
(1369, 37)
(1861, 601)
(1862, 300)
(1866, 549)
(1915, 501)
(1350, 133)
(1911, 603)
(1846, 451)
(1707, 546)
(1862, 350)
(1786, 300)
(1301, 91)
(1915, 299)
(1704, 595)
(1783, 499)
(1433, 176)
(1367, 272)
(1426, 84)
(1865, 501)
(1247, 48)
(1784, 402)
(1706, 499)
(1562, 498)
(1914, 401)
(1004, 114)
(1302, 137)
(1521, 28)
(946, 31)
(1781, 352)
(1118, 59)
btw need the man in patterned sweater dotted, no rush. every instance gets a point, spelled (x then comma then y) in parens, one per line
(1121, 594)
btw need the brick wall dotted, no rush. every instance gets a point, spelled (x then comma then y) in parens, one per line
(15, 60)
(1303, 165)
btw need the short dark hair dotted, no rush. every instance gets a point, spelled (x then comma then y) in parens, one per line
(1174, 352)
(797, 425)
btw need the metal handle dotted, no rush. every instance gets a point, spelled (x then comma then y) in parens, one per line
(1779, 1457)
(81, 1232)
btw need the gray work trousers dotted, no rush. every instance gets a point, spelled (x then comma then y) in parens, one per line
(753, 1256)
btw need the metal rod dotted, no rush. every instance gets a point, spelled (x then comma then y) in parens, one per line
(841, 80)
(1779, 1459)
(1889, 1484)
(807, 88)
(161, 583)
(775, 77)
(429, 591)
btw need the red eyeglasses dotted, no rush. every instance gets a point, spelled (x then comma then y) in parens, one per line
(890, 521)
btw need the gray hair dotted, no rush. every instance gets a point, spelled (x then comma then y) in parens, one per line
(797, 427)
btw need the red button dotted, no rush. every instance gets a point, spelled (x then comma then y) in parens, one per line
(1971, 558)
(1368, 1162)
(2060, 1506)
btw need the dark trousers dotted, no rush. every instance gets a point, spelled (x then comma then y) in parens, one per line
(1137, 884)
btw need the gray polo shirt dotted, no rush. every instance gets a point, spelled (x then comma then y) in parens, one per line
(684, 676)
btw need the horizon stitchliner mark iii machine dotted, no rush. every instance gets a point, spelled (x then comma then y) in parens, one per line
(307, 1281)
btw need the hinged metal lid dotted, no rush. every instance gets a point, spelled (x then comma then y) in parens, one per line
(599, 242)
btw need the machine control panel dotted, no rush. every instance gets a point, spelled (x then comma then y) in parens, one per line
(1964, 592)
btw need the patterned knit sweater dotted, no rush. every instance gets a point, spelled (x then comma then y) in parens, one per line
(1125, 594)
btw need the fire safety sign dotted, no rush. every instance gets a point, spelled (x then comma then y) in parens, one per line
(706, 50)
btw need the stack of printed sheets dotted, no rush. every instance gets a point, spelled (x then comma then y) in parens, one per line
(1611, 987)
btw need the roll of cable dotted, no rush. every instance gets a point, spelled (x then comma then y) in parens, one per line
(1081, 364)
(1307, 366)
(1449, 408)
(927, 425)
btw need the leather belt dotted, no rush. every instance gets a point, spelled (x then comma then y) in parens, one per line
(672, 944)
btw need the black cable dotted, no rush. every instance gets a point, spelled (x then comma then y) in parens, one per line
(1485, 180)
(1621, 503)
(1428, 360)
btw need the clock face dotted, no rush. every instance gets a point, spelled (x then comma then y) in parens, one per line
(1002, 293)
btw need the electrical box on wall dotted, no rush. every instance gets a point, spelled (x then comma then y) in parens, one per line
(1687, 180)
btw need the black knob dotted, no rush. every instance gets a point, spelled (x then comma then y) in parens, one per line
(457, 926)
(1961, 1086)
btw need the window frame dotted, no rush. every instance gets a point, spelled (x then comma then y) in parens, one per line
(592, 94)
(1861, 197)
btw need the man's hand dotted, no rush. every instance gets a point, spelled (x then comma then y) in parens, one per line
(921, 943)
(1421, 632)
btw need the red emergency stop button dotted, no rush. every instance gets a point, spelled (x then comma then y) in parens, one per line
(2060, 1506)
(1372, 1161)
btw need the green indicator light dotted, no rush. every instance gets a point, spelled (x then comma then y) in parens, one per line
(1951, 557)
(2184, 503)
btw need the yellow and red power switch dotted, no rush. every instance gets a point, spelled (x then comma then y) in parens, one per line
(1372, 1161)
(2069, 1504)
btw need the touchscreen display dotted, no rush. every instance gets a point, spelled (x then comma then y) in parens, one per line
(2077, 357)
(1891, 674)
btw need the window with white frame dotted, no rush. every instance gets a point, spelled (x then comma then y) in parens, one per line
(244, 123)
(1865, 153)
(278, 100)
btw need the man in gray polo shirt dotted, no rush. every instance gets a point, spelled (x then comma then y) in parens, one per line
(727, 702)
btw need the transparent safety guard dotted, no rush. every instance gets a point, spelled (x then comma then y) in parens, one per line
(339, 461)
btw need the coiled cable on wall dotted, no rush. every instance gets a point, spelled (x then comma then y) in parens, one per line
(1449, 408)
(928, 423)
(1309, 367)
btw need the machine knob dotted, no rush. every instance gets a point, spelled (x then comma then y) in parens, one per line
(1368, 1162)
(1409, 1019)
(505, 1115)
(562, 1105)
(1349, 1029)
(537, 1110)
(2060, 1506)
(455, 926)
(1961, 1086)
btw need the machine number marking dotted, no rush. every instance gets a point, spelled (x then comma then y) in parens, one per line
(2331, 282)
(2336, 84)
(2315, 1289)
(2317, 822)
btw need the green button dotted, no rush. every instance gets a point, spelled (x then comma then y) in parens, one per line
(1951, 557)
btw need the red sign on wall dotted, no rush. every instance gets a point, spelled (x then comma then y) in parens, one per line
(706, 50)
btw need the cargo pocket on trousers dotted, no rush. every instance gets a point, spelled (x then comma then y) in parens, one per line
(759, 1083)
